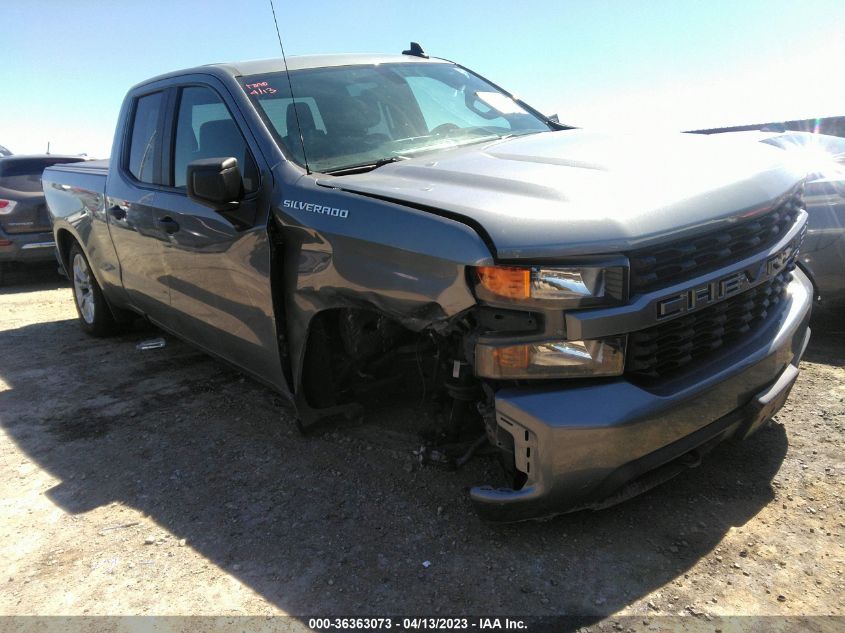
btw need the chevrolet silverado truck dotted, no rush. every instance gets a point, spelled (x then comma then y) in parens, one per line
(599, 311)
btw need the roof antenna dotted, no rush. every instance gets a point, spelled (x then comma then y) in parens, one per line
(290, 86)
(416, 51)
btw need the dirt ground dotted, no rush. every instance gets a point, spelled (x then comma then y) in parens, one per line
(165, 482)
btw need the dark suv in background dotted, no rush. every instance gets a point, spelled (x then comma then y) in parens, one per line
(25, 232)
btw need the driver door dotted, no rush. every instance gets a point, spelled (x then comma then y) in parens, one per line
(219, 267)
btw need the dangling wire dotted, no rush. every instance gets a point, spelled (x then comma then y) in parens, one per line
(290, 86)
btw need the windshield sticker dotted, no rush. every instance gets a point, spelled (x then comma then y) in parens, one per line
(316, 208)
(260, 88)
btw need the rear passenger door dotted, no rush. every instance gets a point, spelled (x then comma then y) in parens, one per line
(218, 265)
(131, 204)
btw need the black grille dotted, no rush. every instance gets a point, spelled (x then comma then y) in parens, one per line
(665, 264)
(663, 349)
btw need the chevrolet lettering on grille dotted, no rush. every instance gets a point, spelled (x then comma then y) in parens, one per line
(727, 286)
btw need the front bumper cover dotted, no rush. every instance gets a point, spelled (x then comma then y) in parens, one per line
(581, 445)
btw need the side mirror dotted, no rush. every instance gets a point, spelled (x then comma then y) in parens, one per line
(554, 118)
(215, 182)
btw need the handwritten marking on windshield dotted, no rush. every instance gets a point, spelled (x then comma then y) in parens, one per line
(260, 88)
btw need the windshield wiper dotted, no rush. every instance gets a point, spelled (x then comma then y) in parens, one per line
(364, 167)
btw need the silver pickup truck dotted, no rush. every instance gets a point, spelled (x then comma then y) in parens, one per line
(599, 311)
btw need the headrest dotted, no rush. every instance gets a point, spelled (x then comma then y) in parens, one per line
(220, 138)
(369, 105)
(350, 117)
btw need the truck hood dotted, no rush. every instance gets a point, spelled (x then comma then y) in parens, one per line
(576, 192)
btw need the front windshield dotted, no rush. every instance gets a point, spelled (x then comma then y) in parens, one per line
(353, 117)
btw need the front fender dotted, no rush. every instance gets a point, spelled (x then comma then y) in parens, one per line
(405, 263)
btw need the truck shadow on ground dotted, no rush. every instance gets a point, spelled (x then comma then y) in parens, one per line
(335, 524)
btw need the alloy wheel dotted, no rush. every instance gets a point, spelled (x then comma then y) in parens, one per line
(82, 288)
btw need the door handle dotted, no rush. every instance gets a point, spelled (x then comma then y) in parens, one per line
(168, 224)
(118, 213)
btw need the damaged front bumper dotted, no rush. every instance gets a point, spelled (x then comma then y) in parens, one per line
(598, 443)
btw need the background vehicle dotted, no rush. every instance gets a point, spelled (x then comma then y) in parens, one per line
(25, 232)
(601, 310)
(823, 251)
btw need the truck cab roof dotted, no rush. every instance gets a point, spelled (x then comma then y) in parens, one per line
(301, 62)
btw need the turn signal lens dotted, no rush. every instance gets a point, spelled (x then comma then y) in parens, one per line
(551, 359)
(553, 286)
(514, 357)
(504, 281)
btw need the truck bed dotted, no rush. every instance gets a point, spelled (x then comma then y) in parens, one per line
(95, 166)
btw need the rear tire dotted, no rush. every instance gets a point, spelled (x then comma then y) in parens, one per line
(95, 316)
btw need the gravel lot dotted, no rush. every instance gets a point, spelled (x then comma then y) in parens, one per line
(165, 482)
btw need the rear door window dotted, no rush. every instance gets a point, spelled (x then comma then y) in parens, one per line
(144, 147)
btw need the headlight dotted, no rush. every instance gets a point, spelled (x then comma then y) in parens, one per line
(551, 359)
(553, 286)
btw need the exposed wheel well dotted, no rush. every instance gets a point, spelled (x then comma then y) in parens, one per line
(335, 337)
(360, 354)
(359, 359)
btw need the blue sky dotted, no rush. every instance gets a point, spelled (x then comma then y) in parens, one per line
(622, 64)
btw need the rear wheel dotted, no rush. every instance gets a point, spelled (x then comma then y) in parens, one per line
(95, 317)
